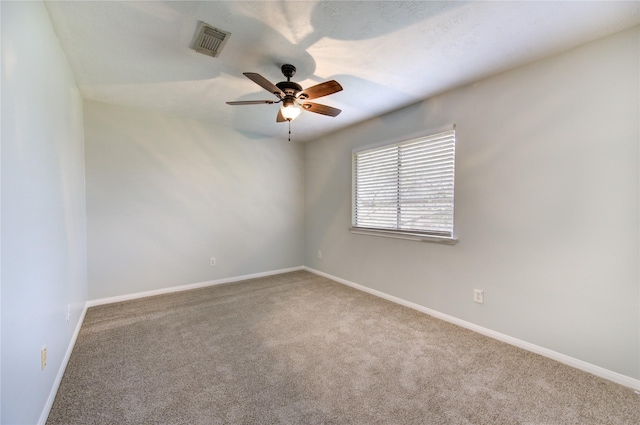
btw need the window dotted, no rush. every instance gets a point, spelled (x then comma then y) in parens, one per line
(406, 189)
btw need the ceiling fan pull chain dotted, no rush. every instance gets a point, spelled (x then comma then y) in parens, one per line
(289, 130)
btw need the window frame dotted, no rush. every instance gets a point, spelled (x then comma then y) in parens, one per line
(416, 235)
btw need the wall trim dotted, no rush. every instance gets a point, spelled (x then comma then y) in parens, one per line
(63, 366)
(128, 297)
(601, 372)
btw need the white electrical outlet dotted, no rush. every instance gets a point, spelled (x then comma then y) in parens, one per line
(68, 312)
(212, 262)
(43, 358)
(478, 296)
(319, 255)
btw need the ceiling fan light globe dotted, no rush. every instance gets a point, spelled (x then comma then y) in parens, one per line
(290, 111)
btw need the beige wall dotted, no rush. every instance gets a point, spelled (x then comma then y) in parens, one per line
(43, 211)
(164, 194)
(546, 206)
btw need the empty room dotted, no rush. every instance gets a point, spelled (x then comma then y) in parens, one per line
(320, 212)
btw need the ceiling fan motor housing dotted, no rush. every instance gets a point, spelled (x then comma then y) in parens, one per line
(289, 87)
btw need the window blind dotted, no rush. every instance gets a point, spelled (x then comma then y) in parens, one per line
(406, 187)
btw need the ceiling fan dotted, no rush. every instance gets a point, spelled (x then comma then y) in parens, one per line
(292, 96)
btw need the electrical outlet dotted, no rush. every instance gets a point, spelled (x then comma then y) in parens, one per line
(43, 358)
(212, 262)
(478, 296)
(68, 312)
(319, 255)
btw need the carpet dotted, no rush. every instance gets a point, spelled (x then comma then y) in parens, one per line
(298, 348)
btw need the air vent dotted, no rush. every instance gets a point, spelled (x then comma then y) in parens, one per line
(209, 40)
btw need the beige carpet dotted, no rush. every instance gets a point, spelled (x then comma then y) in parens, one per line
(301, 349)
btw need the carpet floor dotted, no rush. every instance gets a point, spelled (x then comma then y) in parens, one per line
(298, 348)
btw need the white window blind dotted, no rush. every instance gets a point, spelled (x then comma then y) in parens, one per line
(406, 187)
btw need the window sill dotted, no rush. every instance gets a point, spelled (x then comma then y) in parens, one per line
(404, 235)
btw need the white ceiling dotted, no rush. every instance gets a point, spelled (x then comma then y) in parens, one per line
(386, 54)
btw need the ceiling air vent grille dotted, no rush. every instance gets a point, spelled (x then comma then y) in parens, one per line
(209, 40)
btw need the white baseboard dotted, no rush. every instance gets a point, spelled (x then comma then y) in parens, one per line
(63, 366)
(562, 358)
(172, 289)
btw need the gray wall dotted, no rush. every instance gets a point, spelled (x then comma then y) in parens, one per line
(546, 206)
(43, 209)
(164, 194)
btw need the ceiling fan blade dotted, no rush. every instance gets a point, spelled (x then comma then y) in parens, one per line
(280, 117)
(319, 90)
(251, 102)
(321, 109)
(264, 83)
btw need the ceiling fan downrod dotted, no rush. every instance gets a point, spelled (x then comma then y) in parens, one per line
(289, 88)
(288, 70)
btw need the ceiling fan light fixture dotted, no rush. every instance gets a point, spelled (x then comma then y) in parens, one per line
(289, 109)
